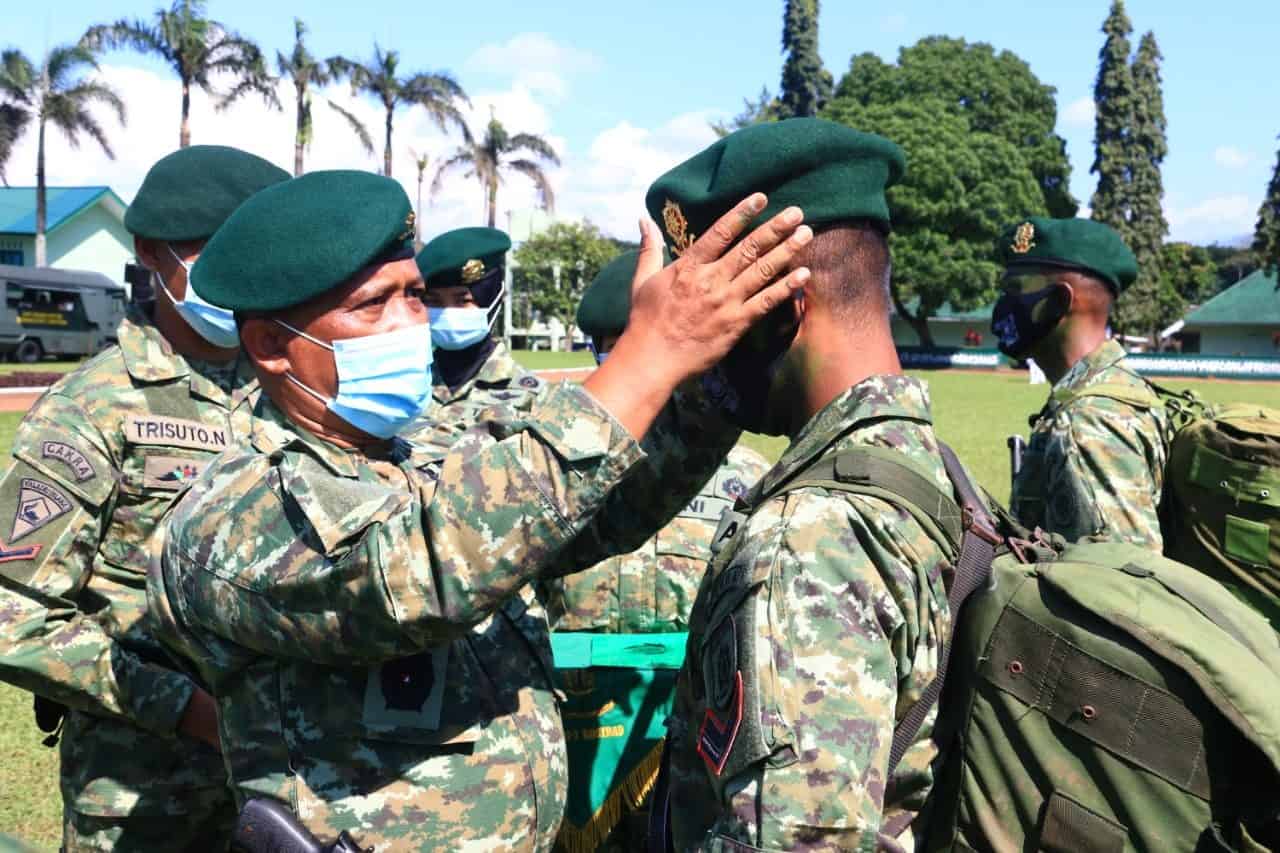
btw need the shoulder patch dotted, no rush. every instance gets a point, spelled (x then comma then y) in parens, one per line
(734, 487)
(528, 381)
(38, 504)
(174, 432)
(171, 472)
(80, 466)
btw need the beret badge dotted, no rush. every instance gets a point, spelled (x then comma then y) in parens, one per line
(677, 228)
(472, 271)
(408, 226)
(1024, 239)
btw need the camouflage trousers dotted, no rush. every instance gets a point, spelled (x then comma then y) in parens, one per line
(208, 832)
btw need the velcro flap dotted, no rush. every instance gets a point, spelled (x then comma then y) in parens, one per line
(1239, 480)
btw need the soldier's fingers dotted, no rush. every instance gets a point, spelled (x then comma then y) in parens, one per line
(765, 270)
(775, 294)
(712, 245)
(649, 263)
(756, 245)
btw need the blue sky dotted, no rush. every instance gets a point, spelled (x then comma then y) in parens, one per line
(625, 89)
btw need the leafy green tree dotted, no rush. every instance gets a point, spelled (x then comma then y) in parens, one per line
(1114, 99)
(995, 91)
(197, 49)
(556, 265)
(57, 93)
(963, 188)
(1266, 236)
(13, 120)
(305, 71)
(437, 93)
(764, 108)
(497, 151)
(806, 84)
(1141, 308)
(1233, 263)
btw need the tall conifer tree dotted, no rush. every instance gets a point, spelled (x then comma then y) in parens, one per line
(1266, 237)
(1138, 309)
(1113, 97)
(806, 85)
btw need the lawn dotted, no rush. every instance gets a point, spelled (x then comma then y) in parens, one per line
(974, 413)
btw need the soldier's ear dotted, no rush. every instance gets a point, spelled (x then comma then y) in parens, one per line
(148, 252)
(264, 342)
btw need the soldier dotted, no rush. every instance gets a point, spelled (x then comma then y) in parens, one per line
(819, 620)
(1095, 463)
(613, 715)
(96, 462)
(358, 622)
(464, 272)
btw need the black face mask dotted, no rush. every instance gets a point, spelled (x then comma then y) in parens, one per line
(740, 384)
(1021, 320)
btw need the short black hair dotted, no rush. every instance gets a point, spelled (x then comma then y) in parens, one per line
(850, 264)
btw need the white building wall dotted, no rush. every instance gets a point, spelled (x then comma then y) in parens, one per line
(94, 241)
(947, 334)
(1237, 340)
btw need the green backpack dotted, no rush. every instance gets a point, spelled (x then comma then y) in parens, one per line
(1220, 511)
(1105, 698)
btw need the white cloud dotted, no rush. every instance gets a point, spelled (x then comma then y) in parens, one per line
(534, 61)
(1215, 218)
(1079, 113)
(1230, 157)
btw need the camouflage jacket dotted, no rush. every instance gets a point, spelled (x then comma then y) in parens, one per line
(364, 622)
(817, 625)
(96, 462)
(500, 381)
(652, 588)
(1095, 465)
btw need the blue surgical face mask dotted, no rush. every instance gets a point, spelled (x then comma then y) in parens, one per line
(384, 380)
(458, 328)
(216, 325)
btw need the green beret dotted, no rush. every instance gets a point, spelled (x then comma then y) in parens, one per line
(301, 238)
(606, 303)
(832, 172)
(1078, 244)
(462, 256)
(191, 192)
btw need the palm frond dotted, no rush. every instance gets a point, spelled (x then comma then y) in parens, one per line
(460, 158)
(18, 77)
(64, 61)
(89, 92)
(534, 145)
(357, 127)
(534, 172)
(13, 120)
(134, 35)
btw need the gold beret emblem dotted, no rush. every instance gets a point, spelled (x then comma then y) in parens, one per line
(472, 270)
(1023, 239)
(677, 228)
(408, 226)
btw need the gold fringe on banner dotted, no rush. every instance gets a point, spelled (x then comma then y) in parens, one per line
(627, 797)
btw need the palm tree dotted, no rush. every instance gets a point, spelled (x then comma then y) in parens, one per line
(12, 121)
(305, 71)
(420, 162)
(437, 93)
(487, 159)
(55, 93)
(197, 49)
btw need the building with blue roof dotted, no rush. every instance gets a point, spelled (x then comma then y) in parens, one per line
(85, 229)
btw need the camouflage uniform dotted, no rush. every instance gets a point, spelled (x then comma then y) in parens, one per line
(1095, 465)
(499, 381)
(817, 625)
(96, 463)
(652, 588)
(369, 639)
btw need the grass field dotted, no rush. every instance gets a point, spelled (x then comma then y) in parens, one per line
(974, 413)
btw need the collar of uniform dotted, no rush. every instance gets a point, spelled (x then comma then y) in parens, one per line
(499, 370)
(1092, 364)
(147, 355)
(876, 398)
(274, 432)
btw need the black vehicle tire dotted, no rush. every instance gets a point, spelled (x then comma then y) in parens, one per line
(29, 351)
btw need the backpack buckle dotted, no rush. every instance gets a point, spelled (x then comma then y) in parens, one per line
(979, 524)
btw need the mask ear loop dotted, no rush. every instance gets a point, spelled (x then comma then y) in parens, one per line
(496, 308)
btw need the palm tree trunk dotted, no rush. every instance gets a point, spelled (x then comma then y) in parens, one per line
(299, 138)
(493, 202)
(184, 134)
(386, 152)
(41, 207)
(417, 217)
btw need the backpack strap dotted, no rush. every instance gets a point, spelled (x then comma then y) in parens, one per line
(964, 525)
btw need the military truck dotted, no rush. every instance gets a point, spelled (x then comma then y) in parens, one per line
(57, 312)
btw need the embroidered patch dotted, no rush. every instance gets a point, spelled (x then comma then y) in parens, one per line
(472, 271)
(1024, 239)
(722, 664)
(705, 508)
(8, 554)
(734, 487)
(407, 692)
(38, 504)
(69, 456)
(677, 228)
(730, 523)
(529, 382)
(716, 737)
(156, 430)
(171, 472)
(408, 226)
